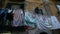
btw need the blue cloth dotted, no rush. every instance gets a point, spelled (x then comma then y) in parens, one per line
(1, 11)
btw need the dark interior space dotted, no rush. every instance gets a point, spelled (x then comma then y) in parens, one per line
(9, 5)
(17, 0)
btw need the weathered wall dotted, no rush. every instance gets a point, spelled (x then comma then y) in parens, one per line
(53, 9)
(32, 4)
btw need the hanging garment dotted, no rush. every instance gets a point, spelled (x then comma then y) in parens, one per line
(42, 22)
(18, 16)
(55, 23)
(29, 19)
(5, 16)
(1, 16)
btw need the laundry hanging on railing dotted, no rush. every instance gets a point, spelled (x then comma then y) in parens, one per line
(30, 19)
(17, 18)
(42, 22)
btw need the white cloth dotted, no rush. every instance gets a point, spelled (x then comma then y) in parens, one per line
(55, 23)
(43, 22)
(17, 19)
(9, 11)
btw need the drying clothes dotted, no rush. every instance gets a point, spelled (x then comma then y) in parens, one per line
(42, 22)
(55, 23)
(29, 19)
(18, 16)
